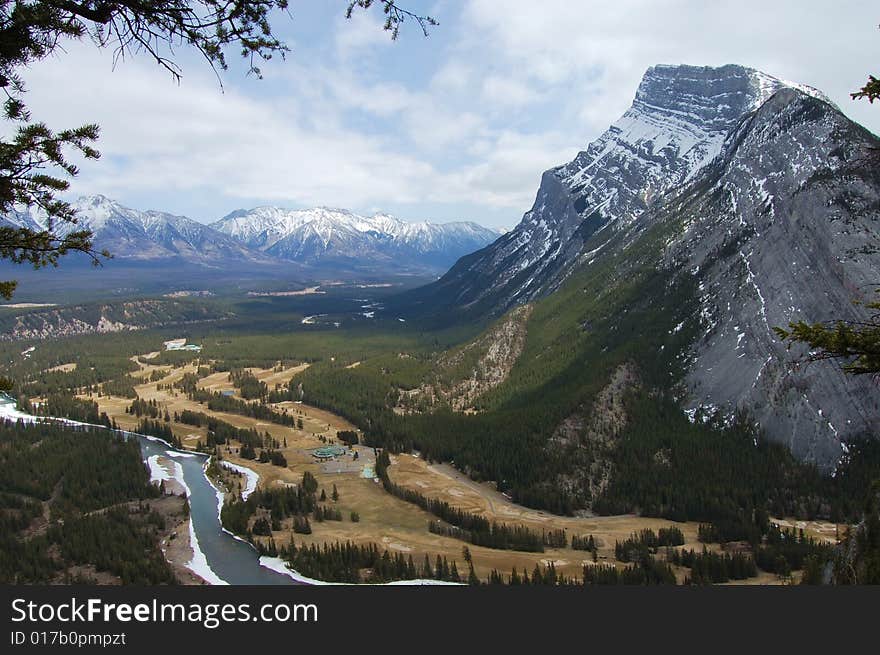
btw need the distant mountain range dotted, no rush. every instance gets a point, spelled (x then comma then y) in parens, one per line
(145, 235)
(336, 235)
(320, 240)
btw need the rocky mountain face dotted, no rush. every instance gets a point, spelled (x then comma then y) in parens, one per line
(759, 193)
(323, 235)
(674, 128)
(102, 318)
(782, 227)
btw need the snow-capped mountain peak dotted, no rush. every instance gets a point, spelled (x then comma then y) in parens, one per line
(677, 124)
(335, 239)
(323, 232)
(143, 235)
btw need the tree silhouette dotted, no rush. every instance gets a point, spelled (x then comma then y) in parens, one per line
(35, 164)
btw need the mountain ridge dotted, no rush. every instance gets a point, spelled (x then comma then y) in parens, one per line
(310, 234)
(676, 126)
(270, 235)
(778, 225)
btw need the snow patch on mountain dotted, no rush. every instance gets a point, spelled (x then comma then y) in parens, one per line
(676, 126)
(323, 232)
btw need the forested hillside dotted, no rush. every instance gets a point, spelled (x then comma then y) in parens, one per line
(75, 505)
(541, 435)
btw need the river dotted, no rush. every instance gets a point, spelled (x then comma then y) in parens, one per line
(230, 559)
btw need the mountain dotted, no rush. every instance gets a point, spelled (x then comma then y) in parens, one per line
(676, 125)
(155, 252)
(782, 227)
(318, 237)
(146, 235)
(724, 203)
(325, 236)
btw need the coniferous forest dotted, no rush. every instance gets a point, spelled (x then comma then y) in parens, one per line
(76, 498)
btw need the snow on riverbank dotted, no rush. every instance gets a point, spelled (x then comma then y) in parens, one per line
(199, 563)
(251, 476)
(12, 413)
(221, 496)
(159, 473)
(280, 566)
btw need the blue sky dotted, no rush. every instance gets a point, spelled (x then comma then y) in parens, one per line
(457, 126)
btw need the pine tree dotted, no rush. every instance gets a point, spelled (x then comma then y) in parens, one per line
(472, 575)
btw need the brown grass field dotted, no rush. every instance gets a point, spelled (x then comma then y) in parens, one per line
(386, 520)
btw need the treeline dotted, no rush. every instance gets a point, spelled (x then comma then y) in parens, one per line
(217, 402)
(713, 568)
(188, 383)
(248, 385)
(584, 543)
(775, 550)
(278, 503)
(76, 471)
(66, 405)
(274, 457)
(787, 550)
(150, 408)
(648, 571)
(220, 432)
(541, 575)
(647, 542)
(325, 513)
(348, 437)
(89, 376)
(122, 387)
(352, 563)
(158, 429)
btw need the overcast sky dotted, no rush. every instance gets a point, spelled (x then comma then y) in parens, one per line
(458, 126)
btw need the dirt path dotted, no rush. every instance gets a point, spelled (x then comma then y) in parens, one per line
(457, 476)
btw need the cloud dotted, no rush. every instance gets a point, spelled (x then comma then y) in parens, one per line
(461, 124)
(157, 135)
(504, 176)
(361, 34)
(504, 91)
(600, 50)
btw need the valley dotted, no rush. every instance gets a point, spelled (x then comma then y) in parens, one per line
(384, 520)
(160, 378)
(602, 395)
